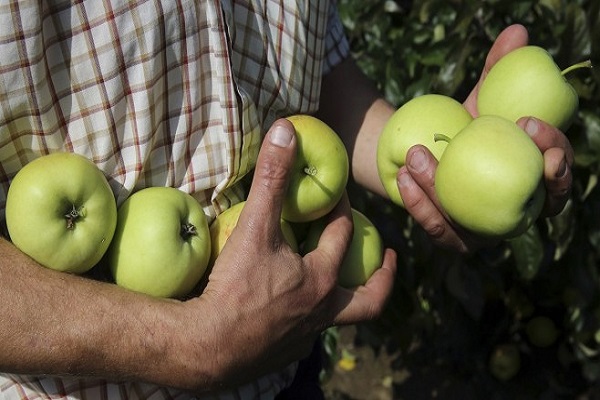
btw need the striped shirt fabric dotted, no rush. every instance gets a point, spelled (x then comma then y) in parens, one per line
(157, 93)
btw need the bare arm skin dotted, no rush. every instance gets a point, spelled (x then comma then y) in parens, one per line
(354, 108)
(57, 323)
(262, 308)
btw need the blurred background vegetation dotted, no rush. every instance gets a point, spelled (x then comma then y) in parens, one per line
(521, 320)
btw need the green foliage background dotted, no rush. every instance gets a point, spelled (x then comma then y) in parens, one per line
(459, 309)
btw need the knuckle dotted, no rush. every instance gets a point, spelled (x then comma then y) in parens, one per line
(412, 203)
(435, 228)
(272, 173)
(374, 311)
(324, 276)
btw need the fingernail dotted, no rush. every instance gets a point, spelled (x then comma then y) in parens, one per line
(418, 161)
(403, 179)
(562, 169)
(531, 126)
(280, 136)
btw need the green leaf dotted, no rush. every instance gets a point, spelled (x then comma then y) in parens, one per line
(576, 34)
(528, 252)
(561, 230)
(591, 122)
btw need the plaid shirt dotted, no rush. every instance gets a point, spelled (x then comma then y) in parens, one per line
(157, 93)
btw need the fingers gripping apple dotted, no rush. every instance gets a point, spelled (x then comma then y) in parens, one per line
(490, 178)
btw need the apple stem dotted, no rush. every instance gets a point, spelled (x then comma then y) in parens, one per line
(583, 64)
(437, 137)
(71, 216)
(187, 230)
(311, 170)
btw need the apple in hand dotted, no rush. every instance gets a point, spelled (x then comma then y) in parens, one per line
(320, 172)
(413, 123)
(364, 255)
(490, 178)
(161, 245)
(224, 223)
(61, 212)
(527, 82)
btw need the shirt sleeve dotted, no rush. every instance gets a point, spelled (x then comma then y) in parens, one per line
(337, 47)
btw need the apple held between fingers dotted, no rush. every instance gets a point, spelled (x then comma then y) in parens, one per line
(161, 245)
(414, 123)
(490, 178)
(61, 211)
(222, 226)
(320, 172)
(365, 252)
(527, 82)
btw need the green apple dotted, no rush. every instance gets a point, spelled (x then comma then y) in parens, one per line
(490, 178)
(320, 172)
(416, 122)
(162, 243)
(61, 212)
(541, 331)
(364, 255)
(527, 82)
(505, 361)
(224, 223)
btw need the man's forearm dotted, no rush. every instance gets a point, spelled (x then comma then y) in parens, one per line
(351, 104)
(54, 323)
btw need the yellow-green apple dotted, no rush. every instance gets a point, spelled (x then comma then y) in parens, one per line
(61, 211)
(320, 172)
(490, 178)
(527, 82)
(161, 245)
(364, 255)
(225, 222)
(416, 122)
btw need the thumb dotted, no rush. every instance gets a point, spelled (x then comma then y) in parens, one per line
(271, 176)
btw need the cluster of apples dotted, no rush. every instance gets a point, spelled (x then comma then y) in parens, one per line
(489, 178)
(317, 183)
(61, 211)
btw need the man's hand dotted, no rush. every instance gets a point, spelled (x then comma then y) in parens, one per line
(271, 304)
(416, 179)
(262, 309)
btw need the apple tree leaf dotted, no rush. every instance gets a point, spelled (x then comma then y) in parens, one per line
(561, 230)
(528, 252)
(585, 139)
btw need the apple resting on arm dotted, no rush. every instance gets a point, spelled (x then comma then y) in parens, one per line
(361, 128)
